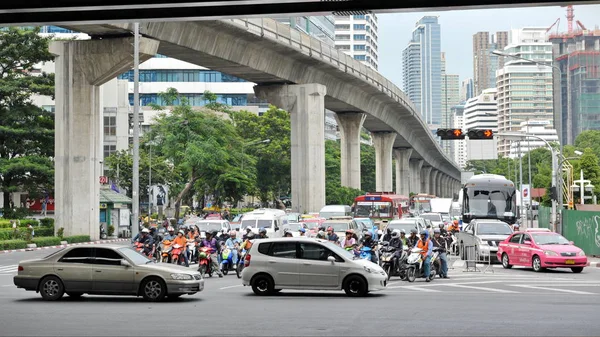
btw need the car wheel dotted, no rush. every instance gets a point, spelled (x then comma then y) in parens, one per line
(505, 261)
(411, 274)
(51, 288)
(355, 286)
(75, 295)
(537, 264)
(262, 285)
(154, 290)
(577, 270)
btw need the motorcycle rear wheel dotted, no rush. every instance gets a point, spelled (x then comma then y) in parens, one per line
(388, 270)
(225, 270)
(202, 270)
(238, 270)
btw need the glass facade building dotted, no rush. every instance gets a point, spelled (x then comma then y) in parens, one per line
(356, 36)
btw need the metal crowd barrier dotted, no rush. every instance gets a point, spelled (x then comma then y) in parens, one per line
(471, 258)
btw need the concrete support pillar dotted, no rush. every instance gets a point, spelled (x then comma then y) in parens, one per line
(402, 157)
(438, 184)
(81, 68)
(433, 181)
(425, 176)
(350, 125)
(306, 105)
(384, 143)
(415, 175)
(445, 185)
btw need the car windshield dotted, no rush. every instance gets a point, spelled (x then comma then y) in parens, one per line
(237, 218)
(432, 217)
(365, 222)
(337, 226)
(134, 256)
(493, 229)
(293, 217)
(257, 223)
(209, 226)
(406, 225)
(549, 239)
(490, 202)
(373, 209)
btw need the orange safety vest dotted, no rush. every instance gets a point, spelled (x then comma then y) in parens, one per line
(424, 247)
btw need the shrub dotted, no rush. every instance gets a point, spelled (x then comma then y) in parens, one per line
(46, 241)
(5, 223)
(28, 234)
(17, 213)
(6, 234)
(61, 232)
(43, 231)
(47, 222)
(111, 230)
(27, 222)
(13, 244)
(77, 238)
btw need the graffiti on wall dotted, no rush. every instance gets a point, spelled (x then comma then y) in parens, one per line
(589, 228)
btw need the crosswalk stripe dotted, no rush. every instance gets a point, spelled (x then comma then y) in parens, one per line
(427, 290)
(482, 288)
(553, 289)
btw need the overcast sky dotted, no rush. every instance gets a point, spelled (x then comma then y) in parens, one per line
(458, 27)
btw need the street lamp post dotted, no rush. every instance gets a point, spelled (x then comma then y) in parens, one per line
(520, 136)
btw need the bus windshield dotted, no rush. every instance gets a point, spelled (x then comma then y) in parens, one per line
(368, 209)
(490, 202)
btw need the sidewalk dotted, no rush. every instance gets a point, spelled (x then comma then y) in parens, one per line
(593, 262)
(63, 246)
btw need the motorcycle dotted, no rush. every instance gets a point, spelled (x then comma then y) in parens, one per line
(386, 260)
(240, 263)
(226, 259)
(191, 244)
(103, 234)
(139, 247)
(204, 263)
(436, 264)
(415, 266)
(165, 251)
(176, 252)
(365, 253)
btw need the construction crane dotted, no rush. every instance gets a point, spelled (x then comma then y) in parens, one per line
(581, 25)
(570, 17)
(556, 23)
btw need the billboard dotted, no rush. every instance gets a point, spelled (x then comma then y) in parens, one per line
(526, 194)
(159, 194)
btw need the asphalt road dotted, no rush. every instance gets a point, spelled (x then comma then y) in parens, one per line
(495, 303)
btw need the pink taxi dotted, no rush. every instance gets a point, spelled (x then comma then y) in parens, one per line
(540, 248)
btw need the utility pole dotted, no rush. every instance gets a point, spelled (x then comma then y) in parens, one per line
(530, 211)
(521, 181)
(136, 131)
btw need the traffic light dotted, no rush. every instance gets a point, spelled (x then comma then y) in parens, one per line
(553, 194)
(446, 134)
(480, 134)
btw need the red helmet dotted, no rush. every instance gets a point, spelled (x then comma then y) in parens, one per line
(330, 228)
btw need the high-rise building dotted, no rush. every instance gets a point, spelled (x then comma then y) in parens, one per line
(485, 63)
(524, 89)
(481, 112)
(321, 27)
(458, 146)
(466, 89)
(422, 69)
(356, 35)
(450, 98)
(539, 128)
(577, 86)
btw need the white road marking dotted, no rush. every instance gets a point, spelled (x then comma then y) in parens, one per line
(553, 289)
(229, 287)
(482, 288)
(416, 288)
(8, 268)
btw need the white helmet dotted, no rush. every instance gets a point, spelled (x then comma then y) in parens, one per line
(170, 229)
(380, 232)
(396, 233)
(145, 230)
(248, 228)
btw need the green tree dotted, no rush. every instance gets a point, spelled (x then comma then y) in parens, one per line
(204, 147)
(589, 139)
(26, 131)
(367, 168)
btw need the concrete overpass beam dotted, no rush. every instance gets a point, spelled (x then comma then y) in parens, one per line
(306, 105)
(350, 125)
(433, 181)
(403, 170)
(384, 143)
(425, 176)
(81, 68)
(415, 175)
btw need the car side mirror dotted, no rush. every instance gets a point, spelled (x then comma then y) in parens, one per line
(331, 259)
(571, 243)
(527, 242)
(125, 263)
(276, 229)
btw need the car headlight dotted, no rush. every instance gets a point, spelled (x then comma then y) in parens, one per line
(550, 253)
(182, 277)
(372, 270)
(581, 253)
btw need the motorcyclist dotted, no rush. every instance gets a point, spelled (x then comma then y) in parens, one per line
(443, 230)
(287, 233)
(302, 232)
(441, 242)
(396, 243)
(425, 244)
(321, 235)
(262, 233)
(248, 230)
(367, 241)
(348, 242)
(170, 234)
(247, 243)
(146, 239)
(182, 241)
(413, 238)
(403, 238)
(211, 242)
(388, 234)
(331, 236)
(454, 227)
(377, 233)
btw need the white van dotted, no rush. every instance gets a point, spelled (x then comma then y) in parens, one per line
(273, 220)
(330, 211)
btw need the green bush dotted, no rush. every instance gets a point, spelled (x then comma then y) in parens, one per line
(77, 238)
(46, 241)
(47, 222)
(12, 244)
(27, 234)
(17, 213)
(43, 231)
(27, 222)
(6, 234)
(61, 232)
(111, 230)
(5, 223)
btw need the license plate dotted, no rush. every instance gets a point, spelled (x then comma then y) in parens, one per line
(570, 262)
